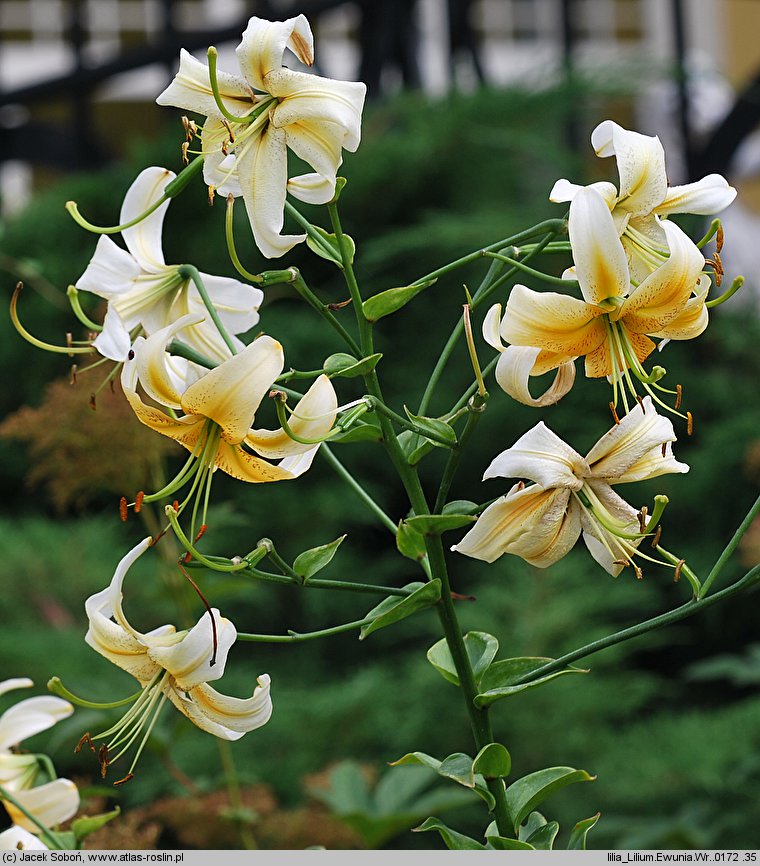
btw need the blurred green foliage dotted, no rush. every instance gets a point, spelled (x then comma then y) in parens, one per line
(674, 752)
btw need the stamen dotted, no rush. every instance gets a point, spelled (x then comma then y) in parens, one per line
(677, 572)
(211, 195)
(86, 739)
(679, 394)
(637, 571)
(719, 237)
(642, 515)
(184, 148)
(126, 779)
(614, 412)
(139, 501)
(689, 423)
(73, 375)
(227, 126)
(103, 759)
(656, 539)
(520, 485)
(208, 611)
(93, 402)
(664, 449)
(123, 513)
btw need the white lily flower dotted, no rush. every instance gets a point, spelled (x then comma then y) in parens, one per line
(169, 665)
(277, 109)
(644, 193)
(21, 721)
(572, 495)
(613, 323)
(141, 289)
(51, 804)
(17, 839)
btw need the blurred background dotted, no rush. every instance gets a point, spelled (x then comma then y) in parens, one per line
(476, 108)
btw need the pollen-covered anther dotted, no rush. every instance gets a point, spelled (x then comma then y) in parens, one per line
(679, 395)
(126, 779)
(201, 532)
(642, 515)
(689, 423)
(677, 572)
(656, 539)
(520, 485)
(86, 740)
(637, 571)
(139, 501)
(229, 130)
(719, 238)
(73, 374)
(226, 147)
(664, 449)
(184, 148)
(614, 412)
(189, 127)
(211, 191)
(104, 760)
(123, 509)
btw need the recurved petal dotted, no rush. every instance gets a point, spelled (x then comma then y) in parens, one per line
(50, 804)
(17, 839)
(191, 89)
(263, 46)
(492, 326)
(553, 536)
(29, 717)
(318, 144)
(517, 364)
(543, 457)
(113, 341)
(663, 295)
(111, 271)
(691, 321)
(312, 188)
(297, 464)
(600, 261)
(313, 417)
(307, 99)
(548, 320)
(231, 393)
(240, 464)
(143, 240)
(527, 512)
(201, 654)
(640, 432)
(226, 717)
(641, 166)
(262, 169)
(707, 196)
(564, 190)
(15, 683)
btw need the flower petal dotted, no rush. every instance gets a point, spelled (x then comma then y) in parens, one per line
(641, 166)
(238, 463)
(144, 239)
(50, 804)
(195, 658)
(231, 393)
(17, 839)
(600, 262)
(691, 321)
(226, 717)
(263, 46)
(663, 295)
(517, 364)
(313, 417)
(491, 327)
(113, 341)
(111, 272)
(15, 683)
(707, 196)
(191, 89)
(548, 320)
(319, 145)
(543, 457)
(563, 190)
(29, 717)
(312, 188)
(603, 546)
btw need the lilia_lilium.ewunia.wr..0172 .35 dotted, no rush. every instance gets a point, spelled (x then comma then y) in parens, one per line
(169, 665)
(571, 494)
(255, 118)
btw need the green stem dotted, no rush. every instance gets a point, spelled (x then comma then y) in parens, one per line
(691, 607)
(190, 272)
(730, 548)
(233, 792)
(380, 407)
(349, 479)
(478, 404)
(277, 560)
(308, 295)
(49, 836)
(297, 637)
(315, 236)
(540, 275)
(55, 686)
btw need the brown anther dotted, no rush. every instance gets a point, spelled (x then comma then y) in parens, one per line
(69, 339)
(201, 532)
(211, 190)
(229, 129)
(184, 148)
(664, 449)
(677, 572)
(622, 562)
(278, 395)
(104, 760)
(637, 571)
(226, 147)
(656, 539)
(459, 597)
(689, 423)
(679, 395)
(139, 501)
(175, 505)
(520, 485)
(93, 402)
(640, 401)
(86, 739)
(719, 238)
(339, 305)
(642, 515)
(131, 355)
(186, 127)
(123, 509)
(614, 413)
(73, 374)
(126, 779)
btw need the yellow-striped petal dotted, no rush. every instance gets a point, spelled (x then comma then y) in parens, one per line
(518, 363)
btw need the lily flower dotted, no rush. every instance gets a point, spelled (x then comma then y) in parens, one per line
(613, 323)
(217, 413)
(21, 721)
(51, 804)
(572, 495)
(644, 193)
(267, 110)
(169, 665)
(142, 290)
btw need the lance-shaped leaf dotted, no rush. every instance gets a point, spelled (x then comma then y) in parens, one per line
(327, 246)
(453, 840)
(82, 827)
(409, 542)
(501, 678)
(394, 608)
(501, 843)
(538, 832)
(493, 761)
(435, 524)
(359, 432)
(457, 767)
(460, 506)
(311, 561)
(481, 650)
(414, 446)
(345, 366)
(387, 302)
(577, 841)
(435, 428)
(526, 793)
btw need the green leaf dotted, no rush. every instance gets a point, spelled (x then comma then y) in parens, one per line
(535, 821)
(578, 835)
(460, 506)
(435, 524)
(538, 832)
(526, 793)
(493, 761)
(434, 426)
(311, 561)
(410, 543)
(501, 677)
(82, 827)
(345, 366)
(481, 650)
(454, 841)
(387, 302)
(395, 608)
(414, 446)
(501, 843)
(326, 245)
(457, 767)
